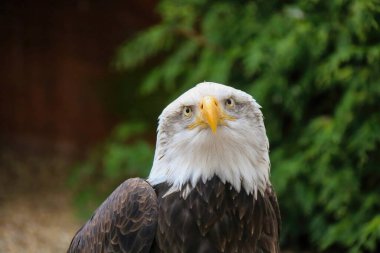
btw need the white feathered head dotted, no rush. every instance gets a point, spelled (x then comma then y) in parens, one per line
(212, 130)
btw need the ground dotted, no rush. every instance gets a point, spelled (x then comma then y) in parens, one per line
(36, 212)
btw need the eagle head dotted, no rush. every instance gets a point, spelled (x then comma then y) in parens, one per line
(212, 130)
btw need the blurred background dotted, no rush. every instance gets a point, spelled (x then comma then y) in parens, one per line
(83, 82)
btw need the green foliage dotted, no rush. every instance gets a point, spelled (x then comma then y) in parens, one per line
(314, 66)
(125, 154)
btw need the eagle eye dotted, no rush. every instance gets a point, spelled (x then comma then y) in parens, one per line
(230, 103)
(187, 111)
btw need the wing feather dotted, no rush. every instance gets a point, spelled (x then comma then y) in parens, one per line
(271, 222)
(125, 222)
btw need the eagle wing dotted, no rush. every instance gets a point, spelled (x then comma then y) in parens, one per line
(269, 239)
(125, 222)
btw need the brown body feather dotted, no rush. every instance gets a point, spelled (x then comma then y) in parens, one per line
(214, 217)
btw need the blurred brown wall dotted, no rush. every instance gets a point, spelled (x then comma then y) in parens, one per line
(52, 55)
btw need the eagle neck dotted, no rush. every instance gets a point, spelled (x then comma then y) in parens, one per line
(234, 158)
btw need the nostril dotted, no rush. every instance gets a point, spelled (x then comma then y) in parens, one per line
(202, 106)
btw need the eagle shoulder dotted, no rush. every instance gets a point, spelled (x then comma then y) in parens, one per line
(125, 222)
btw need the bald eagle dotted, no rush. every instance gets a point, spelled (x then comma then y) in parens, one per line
(208, 189)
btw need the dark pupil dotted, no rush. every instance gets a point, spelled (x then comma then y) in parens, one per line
(229, 101)
(187, 110)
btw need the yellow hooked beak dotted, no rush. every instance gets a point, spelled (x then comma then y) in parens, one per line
(211, 114)
(210, 111)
